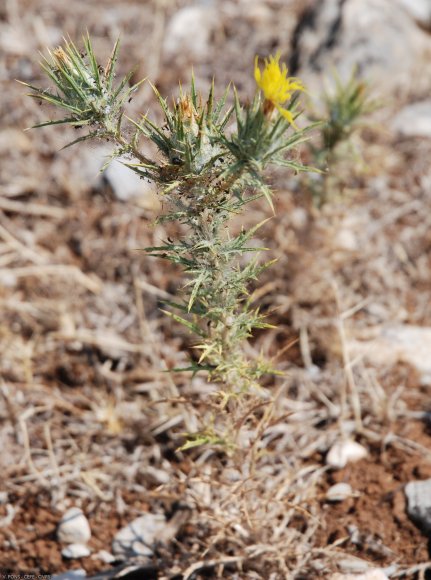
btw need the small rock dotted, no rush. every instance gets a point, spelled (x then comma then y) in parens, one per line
(9, 517)
(353, 566)
(138, 538)
(71, 575)
(346, 240)
(364, 34)
(188, 33)
(414, 120)
(75, 551)
(344, 452)
(370, 575)
(127, 185)
(339, 492)
(419, 10)
(74, 527)
(418, 495)
(355, 536)
(8, 279)
(104, 556)
(394, 343)
(299, 218)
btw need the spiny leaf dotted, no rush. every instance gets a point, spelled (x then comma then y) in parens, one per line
(190, 325)
(199, 280)
(81, 139)
(110, 65)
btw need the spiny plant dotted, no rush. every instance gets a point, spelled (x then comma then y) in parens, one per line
(345, 107)
(211, 164)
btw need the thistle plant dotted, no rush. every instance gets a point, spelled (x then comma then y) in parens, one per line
(211, 163)
(344, 110)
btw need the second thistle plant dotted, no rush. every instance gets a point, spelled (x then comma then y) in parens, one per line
(211, 166)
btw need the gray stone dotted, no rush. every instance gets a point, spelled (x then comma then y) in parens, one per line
(418, 494)
(414, 120)
(373, 37)
(139, 537)
(74, 527)
(75, 551)
(419, 10)
(71, 575)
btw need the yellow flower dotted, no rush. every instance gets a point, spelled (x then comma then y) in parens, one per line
(277, 87)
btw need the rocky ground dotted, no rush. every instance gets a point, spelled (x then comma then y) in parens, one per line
(334, 480)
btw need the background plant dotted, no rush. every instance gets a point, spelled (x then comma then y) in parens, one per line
(344, 108)
(210, 166)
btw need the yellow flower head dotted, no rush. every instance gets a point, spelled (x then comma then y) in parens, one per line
(277, 87)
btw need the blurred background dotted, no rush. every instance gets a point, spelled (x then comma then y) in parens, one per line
(82, 340)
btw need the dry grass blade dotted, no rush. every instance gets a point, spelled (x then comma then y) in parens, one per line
(36, 209)
(91, 283)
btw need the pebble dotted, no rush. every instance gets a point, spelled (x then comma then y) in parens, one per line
(414, 120)
(127, 185)
(138, 537)
(75, 551)
(346, 240)
(74, 527)
(394, 343)
(418, 495)
(353, 566)
(104, 556)
(369, 575)
(344, 452)
(71, 575)
(188, 33)
(339, 492)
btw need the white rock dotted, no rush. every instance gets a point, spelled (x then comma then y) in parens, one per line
(398, 343)
(188, 33)
(138, 538)
(8, 278)
(419, 10)
(414, 120)
(71, 575)
(299, 218)
(347, 240)
(370, 575)
(344, 452)
(75, 551)
(80, 171)
(74, 527)
(9, 517)
(127, 185)
(339, 492)
(418, 494)
(364, 34)
(104, 556)
(353, 565)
